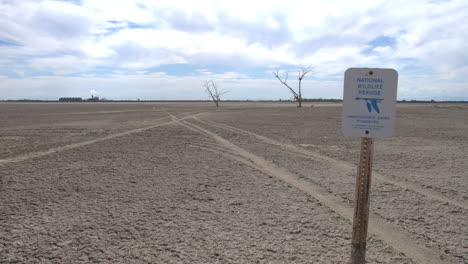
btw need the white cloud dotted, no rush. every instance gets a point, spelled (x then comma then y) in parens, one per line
(381, 49)
(64, 37)
(62, 65)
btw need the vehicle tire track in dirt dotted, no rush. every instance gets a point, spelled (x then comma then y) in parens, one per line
(214, 147)
(37, 154)
(387, 232)
(342, 164)
(222, 151)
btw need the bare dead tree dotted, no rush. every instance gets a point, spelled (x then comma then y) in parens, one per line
(301, 74)
(212, 90)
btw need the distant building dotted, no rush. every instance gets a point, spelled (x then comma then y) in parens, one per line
(70, 99)
(93, 98)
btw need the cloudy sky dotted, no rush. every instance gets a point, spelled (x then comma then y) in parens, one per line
(166, 49)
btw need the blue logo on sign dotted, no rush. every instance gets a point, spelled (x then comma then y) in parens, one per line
(371, 103)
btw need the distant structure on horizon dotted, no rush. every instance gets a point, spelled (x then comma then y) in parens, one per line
(70, 99)
(79, 99)
(93, 98)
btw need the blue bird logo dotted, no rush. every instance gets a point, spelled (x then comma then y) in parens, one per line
(372, 103)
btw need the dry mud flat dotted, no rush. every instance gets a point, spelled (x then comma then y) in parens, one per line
(248, 183)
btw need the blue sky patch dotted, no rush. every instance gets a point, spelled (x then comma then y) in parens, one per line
(5, 42)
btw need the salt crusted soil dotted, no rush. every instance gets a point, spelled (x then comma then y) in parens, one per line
(247, 183)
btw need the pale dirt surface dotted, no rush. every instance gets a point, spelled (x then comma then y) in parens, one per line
(248, 183)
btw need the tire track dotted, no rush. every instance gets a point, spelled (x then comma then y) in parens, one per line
(378, 226)
(230, 155)
(214, 147)
(37, 154)
(342, 164)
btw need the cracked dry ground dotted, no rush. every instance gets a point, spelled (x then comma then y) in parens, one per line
(181, 188)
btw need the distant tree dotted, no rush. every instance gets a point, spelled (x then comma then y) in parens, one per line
(297, 95)
(212, 90)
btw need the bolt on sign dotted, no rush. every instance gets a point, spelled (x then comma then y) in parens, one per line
(369, 102)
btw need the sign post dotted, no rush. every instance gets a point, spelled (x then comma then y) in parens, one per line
(369, 105)
(361, 207)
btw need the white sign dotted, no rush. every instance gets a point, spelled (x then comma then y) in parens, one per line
(369, 102)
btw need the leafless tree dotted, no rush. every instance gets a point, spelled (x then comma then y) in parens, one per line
(212, 90)
(301, 74)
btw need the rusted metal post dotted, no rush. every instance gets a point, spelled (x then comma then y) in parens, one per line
(361, 208)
